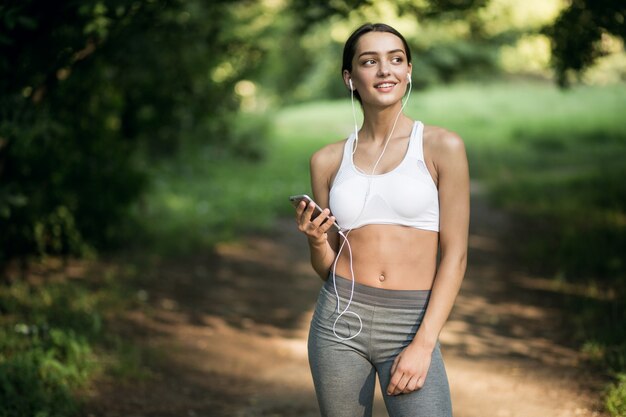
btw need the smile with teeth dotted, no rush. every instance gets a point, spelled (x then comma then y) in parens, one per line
(385, 85)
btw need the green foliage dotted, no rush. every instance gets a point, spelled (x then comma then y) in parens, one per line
(455, 61)
(202, 197)
(45, 345)
(444, 37)
(31, 386)
(571, 211)
(616, 398)
(56, 335)
(312, 12)
(83, 87)
(92, 92)
(57, 233)
(577, 34)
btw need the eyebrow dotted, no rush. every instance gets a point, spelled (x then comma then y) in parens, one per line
(393, 51)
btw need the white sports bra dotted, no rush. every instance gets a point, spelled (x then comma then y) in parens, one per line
(406, 195)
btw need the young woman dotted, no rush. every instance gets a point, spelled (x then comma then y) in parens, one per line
(400, 192)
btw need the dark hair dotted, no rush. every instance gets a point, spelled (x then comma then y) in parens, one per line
(349, 49)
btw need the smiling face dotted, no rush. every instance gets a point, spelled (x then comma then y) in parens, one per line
(379, 69)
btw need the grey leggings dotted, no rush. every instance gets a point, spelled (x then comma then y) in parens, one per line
(344, 372)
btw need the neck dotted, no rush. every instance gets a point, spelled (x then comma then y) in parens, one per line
(378, 123)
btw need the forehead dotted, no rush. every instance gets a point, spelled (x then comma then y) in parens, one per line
(379, 42)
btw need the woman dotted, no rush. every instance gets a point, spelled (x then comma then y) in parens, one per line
(400, 191)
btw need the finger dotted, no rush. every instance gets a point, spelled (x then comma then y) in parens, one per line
(327, 224)
(394, 384)
(306, 215)
(394, 378)
(402, 384)
(420, 382)
(300, 209)
(301, 218)
(412, 385)
(321, 218)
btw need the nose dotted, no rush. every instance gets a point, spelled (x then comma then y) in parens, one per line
(383, 68)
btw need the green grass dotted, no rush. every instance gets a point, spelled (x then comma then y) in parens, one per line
(207, 198)
(200, 198)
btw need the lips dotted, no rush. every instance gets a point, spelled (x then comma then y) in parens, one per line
(385, 85)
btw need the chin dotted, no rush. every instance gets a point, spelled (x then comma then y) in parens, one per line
(384, 102)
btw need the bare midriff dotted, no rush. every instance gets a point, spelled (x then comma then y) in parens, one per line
(390, 256)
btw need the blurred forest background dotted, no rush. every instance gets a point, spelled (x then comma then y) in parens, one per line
(158, 127)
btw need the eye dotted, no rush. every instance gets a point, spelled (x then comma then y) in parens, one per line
(369, 62)
(397, 60)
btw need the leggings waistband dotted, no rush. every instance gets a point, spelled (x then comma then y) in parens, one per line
(377, 296)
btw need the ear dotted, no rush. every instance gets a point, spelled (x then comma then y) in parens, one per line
(410, 70)
(346, 79)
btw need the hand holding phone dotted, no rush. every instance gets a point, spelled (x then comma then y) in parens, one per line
(317, 210)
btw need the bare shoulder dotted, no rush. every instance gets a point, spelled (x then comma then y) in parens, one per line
(441, 142)
(328, 157)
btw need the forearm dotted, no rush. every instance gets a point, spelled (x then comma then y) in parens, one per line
(444, 291)
(322, 257)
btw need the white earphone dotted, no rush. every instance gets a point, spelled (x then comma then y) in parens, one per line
(350, 82)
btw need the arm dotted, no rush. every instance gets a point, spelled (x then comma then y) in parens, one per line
(411, 365)
(321, 243)
(454, 208)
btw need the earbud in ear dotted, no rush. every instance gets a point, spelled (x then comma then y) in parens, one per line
(408, 77)
(350, 82)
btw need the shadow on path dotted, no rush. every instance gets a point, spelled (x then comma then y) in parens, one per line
(224, 334)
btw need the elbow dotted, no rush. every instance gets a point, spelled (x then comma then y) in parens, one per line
(460, 265)
(456, 262)
(462, 261)
(321, 270)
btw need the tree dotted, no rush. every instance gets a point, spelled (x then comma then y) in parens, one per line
(577, 34)
(83, 86)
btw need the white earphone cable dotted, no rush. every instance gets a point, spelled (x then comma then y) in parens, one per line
(345, 311)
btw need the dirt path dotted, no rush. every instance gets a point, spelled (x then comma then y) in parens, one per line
(225, 335)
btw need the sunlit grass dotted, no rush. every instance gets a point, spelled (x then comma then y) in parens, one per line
(512, 131)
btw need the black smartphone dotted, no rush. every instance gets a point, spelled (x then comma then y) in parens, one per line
(296, 199)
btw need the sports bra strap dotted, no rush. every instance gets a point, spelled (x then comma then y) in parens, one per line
(416, 143)
(347, 150)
